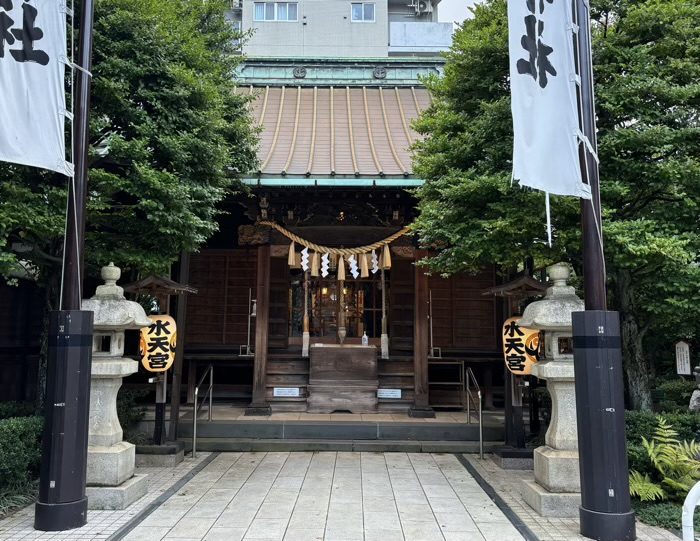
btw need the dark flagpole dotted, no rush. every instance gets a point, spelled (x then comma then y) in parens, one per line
(62, 502)
(605, 510)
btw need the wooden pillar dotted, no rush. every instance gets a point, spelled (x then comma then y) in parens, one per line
(421, 341)
(180, 318)
(259, 405)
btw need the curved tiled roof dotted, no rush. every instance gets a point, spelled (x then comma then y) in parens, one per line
(328, 131)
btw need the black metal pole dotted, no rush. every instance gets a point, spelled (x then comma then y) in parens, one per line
(77, 191)
(605, 511)
(62, 503)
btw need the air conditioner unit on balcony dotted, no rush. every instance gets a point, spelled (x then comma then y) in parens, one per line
(423, 6)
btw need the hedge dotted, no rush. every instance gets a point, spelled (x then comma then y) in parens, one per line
(643, 423)
(16, 409)
(20, 450)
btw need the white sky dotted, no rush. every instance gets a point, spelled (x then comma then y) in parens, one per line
(454, 10)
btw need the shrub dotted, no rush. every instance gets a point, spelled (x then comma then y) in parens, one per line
(129, 411)
(20, 450)
(638, 460)
(675, 395)
(675, 463)
(643, 423)
(16, 409)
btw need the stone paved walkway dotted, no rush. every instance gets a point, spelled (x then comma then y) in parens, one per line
(101, 524)
(331, 497)
(323, 497)
(507, 484)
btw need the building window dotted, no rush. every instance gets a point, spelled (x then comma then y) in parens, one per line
(363, 12)
(276, 11)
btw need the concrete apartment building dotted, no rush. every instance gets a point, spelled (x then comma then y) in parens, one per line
(342, 28)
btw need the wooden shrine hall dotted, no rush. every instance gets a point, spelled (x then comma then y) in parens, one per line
(309, 298)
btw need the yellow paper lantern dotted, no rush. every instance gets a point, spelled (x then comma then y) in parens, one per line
(158, 343)
(521, 347)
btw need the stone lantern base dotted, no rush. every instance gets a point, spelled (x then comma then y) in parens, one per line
(551, 504)
(556, 490)
(119, 497)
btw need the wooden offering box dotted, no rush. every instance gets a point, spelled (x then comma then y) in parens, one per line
(342, 378)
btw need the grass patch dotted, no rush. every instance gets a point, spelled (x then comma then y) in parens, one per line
(17, 496)
(662, 514)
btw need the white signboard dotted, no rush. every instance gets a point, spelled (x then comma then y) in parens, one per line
(32, 90)
(683, 359)
(286, 391)
(388, 393)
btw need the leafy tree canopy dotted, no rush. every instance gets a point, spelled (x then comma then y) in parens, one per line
(646, 61)
(169, 138)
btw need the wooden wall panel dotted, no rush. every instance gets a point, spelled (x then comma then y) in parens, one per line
(464, 318)
(401, 299)
(279, 303)
(218, 314)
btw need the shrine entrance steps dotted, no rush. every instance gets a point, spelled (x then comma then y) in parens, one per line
(447, 433)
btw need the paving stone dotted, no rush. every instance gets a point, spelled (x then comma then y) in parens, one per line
(305, 534)
(264, 528)
(225, 534)
(192, 527)
(147, 533)
(422, 531)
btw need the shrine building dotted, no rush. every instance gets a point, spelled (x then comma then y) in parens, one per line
(336, 87)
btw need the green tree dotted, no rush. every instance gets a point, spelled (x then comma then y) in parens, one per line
(169, 138)
(646, 62)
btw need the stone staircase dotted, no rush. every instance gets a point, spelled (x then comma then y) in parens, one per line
(378, 436)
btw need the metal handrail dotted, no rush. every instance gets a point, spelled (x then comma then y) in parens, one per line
(477, 406)
(195, 409)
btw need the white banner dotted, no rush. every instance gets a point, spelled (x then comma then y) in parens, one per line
(32, 84)
(543, 94)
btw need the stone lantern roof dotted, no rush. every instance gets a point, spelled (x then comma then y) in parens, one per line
(112, 311)
(553, 312)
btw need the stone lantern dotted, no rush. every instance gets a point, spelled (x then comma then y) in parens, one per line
(111, 483)
(556, 490)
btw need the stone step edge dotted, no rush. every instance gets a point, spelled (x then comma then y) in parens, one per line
(405, 446)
